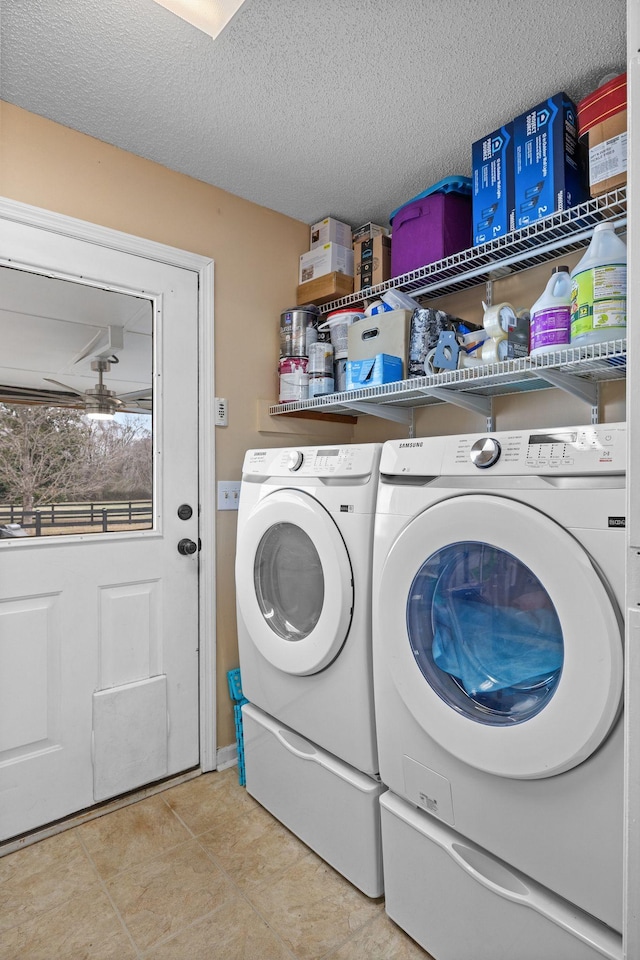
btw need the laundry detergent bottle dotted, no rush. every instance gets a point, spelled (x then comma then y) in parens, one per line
(599, 290)
(550, 325)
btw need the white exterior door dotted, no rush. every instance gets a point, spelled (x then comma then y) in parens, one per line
(99, 672)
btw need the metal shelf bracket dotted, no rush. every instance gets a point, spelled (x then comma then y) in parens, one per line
(469, 401)
(384, 411)
(576, 386)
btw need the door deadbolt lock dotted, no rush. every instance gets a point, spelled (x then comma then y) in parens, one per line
(187, 547)
(185, 512)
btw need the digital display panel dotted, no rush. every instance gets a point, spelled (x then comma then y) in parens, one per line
(328, 453)
(537, 438)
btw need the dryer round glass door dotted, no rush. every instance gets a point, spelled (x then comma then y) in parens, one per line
(295, 584)
(501, 636)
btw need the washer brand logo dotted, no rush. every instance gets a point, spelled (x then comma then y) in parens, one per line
(418, 443)
(346, 508)
(617, 521)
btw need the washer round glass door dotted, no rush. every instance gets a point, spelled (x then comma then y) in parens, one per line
(502, 638)
(296, 585)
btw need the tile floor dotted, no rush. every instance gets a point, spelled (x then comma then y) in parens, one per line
(198, 872)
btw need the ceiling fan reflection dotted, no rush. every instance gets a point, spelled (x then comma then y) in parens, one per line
(100, 403)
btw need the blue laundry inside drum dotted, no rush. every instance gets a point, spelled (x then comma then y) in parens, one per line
(489, 648)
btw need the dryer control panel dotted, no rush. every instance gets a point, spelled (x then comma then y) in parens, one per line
(352, 460)
(585, 450)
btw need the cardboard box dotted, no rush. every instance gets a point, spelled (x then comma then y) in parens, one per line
(384, 333)
(602, 121)
(330, 287)
(330, 231)
(369, 230)
(371, 262)
(373, 372)
(329, 258)
(550, 172)
(492, 190)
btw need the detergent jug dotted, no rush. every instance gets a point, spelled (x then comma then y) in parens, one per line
(550, 325)
(599, 289)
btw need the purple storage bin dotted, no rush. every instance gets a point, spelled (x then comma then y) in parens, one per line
(429, 228)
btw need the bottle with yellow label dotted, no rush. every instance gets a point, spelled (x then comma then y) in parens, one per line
(599, 290)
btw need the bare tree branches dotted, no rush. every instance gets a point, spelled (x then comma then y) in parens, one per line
(50, 455)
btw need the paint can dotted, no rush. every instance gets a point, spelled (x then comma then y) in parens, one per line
(294, 379)
(298, 330)
(321, 360)
(320, 386)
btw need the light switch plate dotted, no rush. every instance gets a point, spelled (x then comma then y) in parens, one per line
(228, 494)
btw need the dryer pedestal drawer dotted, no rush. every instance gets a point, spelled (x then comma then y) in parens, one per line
(457, 901)
(329, 805)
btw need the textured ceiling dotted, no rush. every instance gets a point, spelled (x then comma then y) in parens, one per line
(313, 108)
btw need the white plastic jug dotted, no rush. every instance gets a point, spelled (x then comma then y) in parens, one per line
(550, 325)
(599, 289)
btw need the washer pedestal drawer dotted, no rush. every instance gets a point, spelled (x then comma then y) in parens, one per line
(329, 805)
(457, 901)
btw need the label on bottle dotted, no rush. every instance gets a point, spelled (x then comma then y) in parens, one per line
(599, 299)
(550, 327)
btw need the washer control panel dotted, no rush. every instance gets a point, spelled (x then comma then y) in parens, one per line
(585, 450)
(355, 460)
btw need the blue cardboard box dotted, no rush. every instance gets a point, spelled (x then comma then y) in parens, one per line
(383, 368)
(549, 160)
(492, 190)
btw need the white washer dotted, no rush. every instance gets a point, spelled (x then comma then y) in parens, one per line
(498, 674)
(303, 586)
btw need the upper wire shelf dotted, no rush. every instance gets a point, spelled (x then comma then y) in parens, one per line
(550, 237)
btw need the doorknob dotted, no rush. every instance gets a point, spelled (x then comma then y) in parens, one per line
(187, 547)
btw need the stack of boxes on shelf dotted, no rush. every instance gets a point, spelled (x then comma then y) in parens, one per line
(546, 160)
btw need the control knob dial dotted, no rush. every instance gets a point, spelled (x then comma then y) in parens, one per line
(485, 452)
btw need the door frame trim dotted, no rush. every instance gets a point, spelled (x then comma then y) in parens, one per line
(82, 230)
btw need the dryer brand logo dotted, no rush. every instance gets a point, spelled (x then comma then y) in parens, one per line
(617, 521)
(346, 508)
(418, 443)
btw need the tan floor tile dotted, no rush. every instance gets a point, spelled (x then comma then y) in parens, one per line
(132, 835)
(42, 876)
(234, 932)
(313, 908)
(380, 940)
(85, 928)
(254, 847)
(161, 897)
(208, 800)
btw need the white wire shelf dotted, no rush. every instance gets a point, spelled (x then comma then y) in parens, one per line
(553, 236)
(578, 370)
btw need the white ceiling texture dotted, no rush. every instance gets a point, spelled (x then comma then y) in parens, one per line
(314, 108)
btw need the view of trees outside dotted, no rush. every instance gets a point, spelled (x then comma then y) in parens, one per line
(55, 455)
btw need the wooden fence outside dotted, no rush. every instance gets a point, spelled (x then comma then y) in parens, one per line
(94, 517)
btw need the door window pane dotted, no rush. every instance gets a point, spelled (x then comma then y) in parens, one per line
(485, 633)
(289, 582)
(76, 443)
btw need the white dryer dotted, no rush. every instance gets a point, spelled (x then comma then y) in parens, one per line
(303, 586)
(498, 674)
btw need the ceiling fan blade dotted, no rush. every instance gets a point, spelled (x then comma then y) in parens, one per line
(25, 394)
(66, 386)
(145, 394)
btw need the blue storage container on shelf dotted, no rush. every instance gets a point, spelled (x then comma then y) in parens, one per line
(432, 225)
